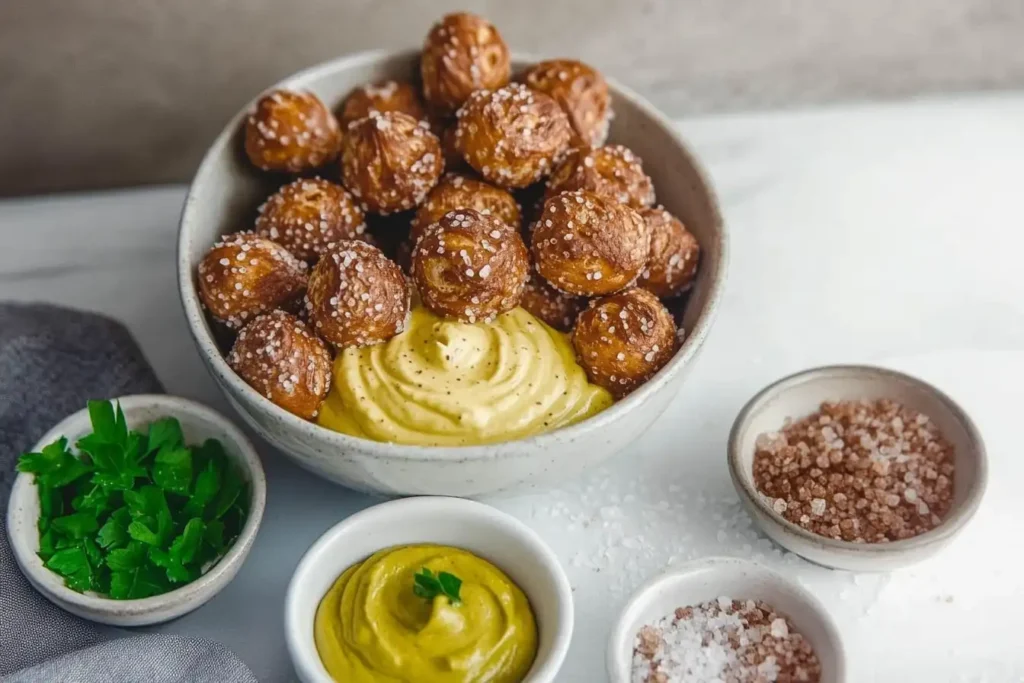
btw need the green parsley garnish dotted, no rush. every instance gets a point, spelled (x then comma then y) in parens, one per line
(427, 585)
(134, 514)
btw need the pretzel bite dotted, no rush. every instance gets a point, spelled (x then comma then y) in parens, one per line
(390, 161)
(512, 136)
(244, 275)
(308, 214)
(612, 171)
(356, 296)
(381, 97)
(623, 339)
(547, 303)
(278, 356)
(457, 191)
(580, 91)
(462, 53)
(291, 132)
(470, 266)
(672, 261)
(588, 244)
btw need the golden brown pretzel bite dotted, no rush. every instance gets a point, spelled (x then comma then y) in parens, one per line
(244, 275)
(356, 296)
(291, 132)
(623, 339)
(278, 356)
(390, 161)
(462, 53)
(470, 266)
(308, 214)
(588, 244)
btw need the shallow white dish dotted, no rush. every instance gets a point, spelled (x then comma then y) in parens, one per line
(801, 394)
(493, 535)
(711, 578)
(223, 198)
(198, 423)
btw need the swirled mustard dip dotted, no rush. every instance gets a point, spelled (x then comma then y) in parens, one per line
(448, 383)
(372, 627)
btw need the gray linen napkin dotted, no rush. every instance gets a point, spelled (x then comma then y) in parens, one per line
(52, 360)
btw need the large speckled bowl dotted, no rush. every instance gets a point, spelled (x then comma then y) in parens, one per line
(223, 198)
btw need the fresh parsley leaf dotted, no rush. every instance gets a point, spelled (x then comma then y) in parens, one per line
(51, 504)
(114, 532)
(214, 535)
(206, 486)
(46, 545)
(146, 501)
(185, 547)
(104, 421)
(427, 585)
(62, 542)
(117, 465)
(115, 452)
(132, 556)
(450, 585)
(73, 565)
(92, 552)
(92, 498)
(176, 571)
(230, 488)
(141, 582)
(172, 470)
(55, 466)
(165, 433)
(144, 529)
(76, 525)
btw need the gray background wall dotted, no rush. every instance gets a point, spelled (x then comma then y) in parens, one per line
(98, 93)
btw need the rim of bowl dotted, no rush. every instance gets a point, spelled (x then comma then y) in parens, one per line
(52, 583)
(216, 364)
(543, 555)
(958, 516)
(616, 658)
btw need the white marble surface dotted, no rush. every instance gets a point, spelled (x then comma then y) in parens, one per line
(888, 233)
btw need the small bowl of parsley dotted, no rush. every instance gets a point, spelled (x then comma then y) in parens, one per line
(136, 511)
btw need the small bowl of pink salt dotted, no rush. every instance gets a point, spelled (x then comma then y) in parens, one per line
(725, 619)
(857, 467)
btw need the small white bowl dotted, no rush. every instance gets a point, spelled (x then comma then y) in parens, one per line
(714, 577)
(802, 394)
(493, 535)
(198, 423)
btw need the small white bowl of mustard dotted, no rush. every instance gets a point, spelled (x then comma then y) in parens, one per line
(357, 609)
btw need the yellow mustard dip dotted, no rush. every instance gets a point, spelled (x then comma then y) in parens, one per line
(448, 383)
(372, 628)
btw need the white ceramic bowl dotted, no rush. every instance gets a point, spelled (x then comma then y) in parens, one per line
(802, 394)
(493, 535)
(198, 423)
(223, 198)
(711, 578)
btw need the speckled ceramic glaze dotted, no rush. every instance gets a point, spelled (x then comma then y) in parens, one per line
(223, 198)
(714, 577)
(198, 423)
(801, 394)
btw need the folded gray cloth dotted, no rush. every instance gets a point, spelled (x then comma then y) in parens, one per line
(52, 360)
